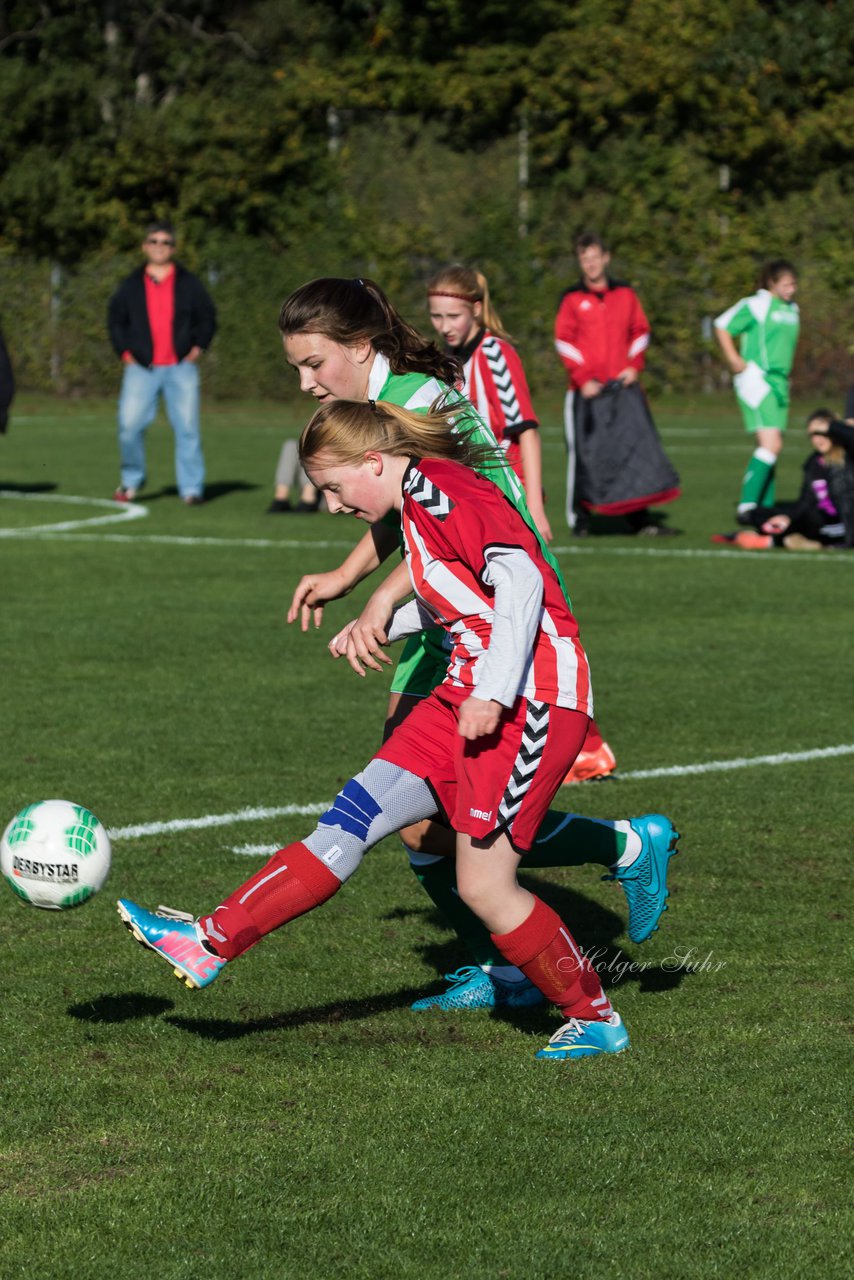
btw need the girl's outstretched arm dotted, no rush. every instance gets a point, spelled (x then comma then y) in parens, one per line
(314, 590)
(361, 641)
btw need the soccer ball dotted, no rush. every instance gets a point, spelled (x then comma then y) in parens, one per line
(55, 854)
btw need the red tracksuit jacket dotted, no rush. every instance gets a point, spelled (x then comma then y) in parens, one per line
(598, 334)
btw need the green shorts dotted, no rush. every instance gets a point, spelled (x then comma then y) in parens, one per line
(422, 665)
(763, 398)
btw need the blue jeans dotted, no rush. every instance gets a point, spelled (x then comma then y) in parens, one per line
(141, 390)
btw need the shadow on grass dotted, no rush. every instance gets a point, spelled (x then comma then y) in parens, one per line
(43, 486)
(619, 527)
(334, 1012)
(120, 1008)
(595, 928)
(216, 489)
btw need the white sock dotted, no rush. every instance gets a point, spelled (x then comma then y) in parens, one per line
(633, 844)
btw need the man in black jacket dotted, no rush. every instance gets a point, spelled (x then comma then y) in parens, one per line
(160, 320)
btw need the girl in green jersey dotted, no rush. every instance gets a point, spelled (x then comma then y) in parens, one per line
(346, 341)
(767, 326)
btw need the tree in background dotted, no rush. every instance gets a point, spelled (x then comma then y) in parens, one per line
(293, 138)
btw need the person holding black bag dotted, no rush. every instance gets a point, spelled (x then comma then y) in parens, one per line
(616, 465)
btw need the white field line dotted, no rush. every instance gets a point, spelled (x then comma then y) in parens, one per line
(63, 531)
(703, 553)
(195, 540)
(742, 762)
(215, 820)
(120, 512)
(49, 533)
(140, 830)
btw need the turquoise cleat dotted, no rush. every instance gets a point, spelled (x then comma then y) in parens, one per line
(176, 937)
(471, 988)
(578, 1039)
(645, 881)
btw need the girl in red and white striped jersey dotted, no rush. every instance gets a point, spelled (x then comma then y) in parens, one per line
(347, 341)
(463, 313)
(489, 746)
(494, 740)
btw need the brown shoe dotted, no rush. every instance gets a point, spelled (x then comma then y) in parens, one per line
(797, 542)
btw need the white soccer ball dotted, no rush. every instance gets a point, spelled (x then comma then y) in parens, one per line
(55, 854)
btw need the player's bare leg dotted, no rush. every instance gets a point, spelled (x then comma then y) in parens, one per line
(533, 936)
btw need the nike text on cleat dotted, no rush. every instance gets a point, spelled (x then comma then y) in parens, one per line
(590, 766)
(176, 937)
(645, 881)
(577, 1039)
(471, 988)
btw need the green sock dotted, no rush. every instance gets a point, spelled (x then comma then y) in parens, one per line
(567, 840)
(758, 487)
(439, 879)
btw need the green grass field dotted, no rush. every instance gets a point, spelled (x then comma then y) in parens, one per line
(297, 1119)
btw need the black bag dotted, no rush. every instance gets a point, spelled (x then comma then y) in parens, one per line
(622, 466)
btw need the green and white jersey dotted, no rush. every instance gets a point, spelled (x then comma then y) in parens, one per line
(417, 392)
(768, 328)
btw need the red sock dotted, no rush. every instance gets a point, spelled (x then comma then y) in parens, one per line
(545, 951)
(594, 739)
(291, 883)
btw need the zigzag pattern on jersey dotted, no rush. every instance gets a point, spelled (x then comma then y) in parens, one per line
(425, 492)
(527, 762)
(503, 381)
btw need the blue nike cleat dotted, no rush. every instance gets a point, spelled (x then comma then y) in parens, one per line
(176, 937)
(577, 1039)
(645, 881)
(471, 988)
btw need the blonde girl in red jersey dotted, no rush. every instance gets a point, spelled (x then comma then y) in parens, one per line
(347, 341)
(488, 747)
(464, 315)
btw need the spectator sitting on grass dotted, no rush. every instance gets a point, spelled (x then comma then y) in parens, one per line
(823, 515)
(290, 476)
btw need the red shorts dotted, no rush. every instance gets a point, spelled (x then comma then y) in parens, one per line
(504, 782)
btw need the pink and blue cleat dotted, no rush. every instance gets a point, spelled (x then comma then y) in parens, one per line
(176, 937)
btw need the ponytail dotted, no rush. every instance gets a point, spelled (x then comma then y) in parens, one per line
(345, 430)
(348, 311)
